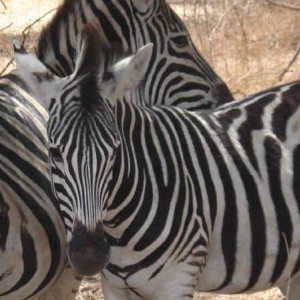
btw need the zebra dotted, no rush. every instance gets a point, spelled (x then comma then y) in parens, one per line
(189, 64)
(178, 74)
(32, 233)
(165, 201)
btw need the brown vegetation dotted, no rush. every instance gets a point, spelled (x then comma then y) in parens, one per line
(251, 44)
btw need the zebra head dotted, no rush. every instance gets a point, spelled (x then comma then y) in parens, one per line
(83, 139)
(178, 74)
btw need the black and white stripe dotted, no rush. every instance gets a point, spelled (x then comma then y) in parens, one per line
(32, 234)
(177, 75)
(166, 201)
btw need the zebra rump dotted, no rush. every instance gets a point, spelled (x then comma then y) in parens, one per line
(32, 234)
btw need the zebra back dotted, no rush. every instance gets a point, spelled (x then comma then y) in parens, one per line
(177, 75)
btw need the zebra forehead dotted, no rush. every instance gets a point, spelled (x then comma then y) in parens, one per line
(42, 76)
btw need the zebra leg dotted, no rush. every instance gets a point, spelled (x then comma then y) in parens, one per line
(176, 282)
(66, 287)
(177, 289)
(293, 291)
(110, 294)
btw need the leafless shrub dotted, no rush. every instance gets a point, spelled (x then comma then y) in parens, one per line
(251, 44)
(24, 36)
(3, 3)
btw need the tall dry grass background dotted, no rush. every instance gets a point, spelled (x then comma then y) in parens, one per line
(251, 44)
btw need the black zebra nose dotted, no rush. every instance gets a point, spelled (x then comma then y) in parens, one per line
(88, 251)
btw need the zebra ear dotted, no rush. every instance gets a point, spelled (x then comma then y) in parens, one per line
(143, 5)
(42, 83)
(126, 75)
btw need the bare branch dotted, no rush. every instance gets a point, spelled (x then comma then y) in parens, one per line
(9, 25)
(290, 63)
(221, 19)
(284, 5)
(27, 29)
(6, 67)
(25, 34)
(3, 4)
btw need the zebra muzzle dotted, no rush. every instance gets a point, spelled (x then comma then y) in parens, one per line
(88, 251)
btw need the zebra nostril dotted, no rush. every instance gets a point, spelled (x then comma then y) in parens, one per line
(88, 252)
(88, 261)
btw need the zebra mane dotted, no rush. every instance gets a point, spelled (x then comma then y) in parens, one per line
(110, 52)
(47, 36)
(58, 25)
(63, 10)
(95, 58)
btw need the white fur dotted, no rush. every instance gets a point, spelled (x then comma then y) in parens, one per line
(127, 73)
(143, 5)
(29, 66)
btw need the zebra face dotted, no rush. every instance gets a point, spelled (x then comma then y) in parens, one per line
(81, 170)
(83, 140)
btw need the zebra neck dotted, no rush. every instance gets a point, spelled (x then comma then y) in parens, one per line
(167, 153)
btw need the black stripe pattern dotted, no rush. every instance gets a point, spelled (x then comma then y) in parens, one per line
(177, 74)
(188, 201)
(32, 234)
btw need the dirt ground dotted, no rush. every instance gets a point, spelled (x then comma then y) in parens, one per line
(90, 290)
(251, 44)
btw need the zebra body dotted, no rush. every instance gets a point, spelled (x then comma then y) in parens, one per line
(178, 74)
(32, 234)
(166, 201)
(219, 207)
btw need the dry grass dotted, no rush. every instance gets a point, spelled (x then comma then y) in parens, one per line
(15, 17)
(249, 43)
(272, 294)
(91, 290)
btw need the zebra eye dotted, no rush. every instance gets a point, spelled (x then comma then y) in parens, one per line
(56, 155)
(107, 76)
(3, 210)
(181, 41)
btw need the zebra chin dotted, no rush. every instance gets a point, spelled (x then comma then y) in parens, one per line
(88, 251)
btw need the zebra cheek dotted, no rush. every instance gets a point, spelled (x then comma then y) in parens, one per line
(88, 251)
